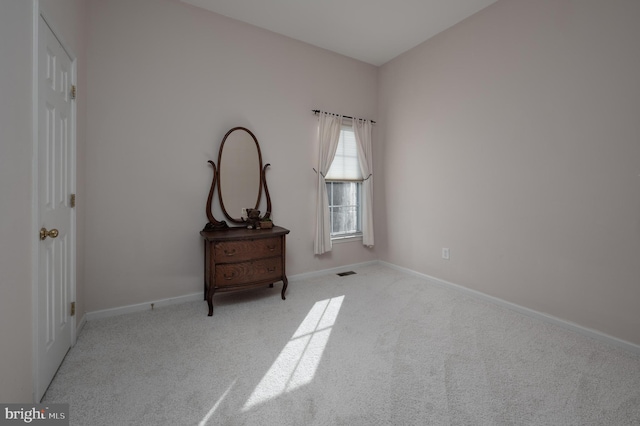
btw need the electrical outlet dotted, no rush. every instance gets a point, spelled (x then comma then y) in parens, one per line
(445, 253)
(243, 213)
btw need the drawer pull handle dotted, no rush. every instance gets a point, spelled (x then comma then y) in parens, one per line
(228, 277)
(230, 252)
(271, 269)
(271, 248)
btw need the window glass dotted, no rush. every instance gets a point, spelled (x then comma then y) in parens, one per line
(344, 208)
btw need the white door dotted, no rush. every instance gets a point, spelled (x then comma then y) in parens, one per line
(56, 219)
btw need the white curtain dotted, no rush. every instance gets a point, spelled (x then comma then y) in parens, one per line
(328, 135)
(362, 130)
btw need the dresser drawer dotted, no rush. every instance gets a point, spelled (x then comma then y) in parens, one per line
(230, 274)
(238, 251)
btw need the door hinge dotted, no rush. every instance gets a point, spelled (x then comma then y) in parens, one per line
(72, 200)
(73, 308)
(73, 92)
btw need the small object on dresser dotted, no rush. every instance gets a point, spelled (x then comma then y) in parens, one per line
(266, 223)
(253, 218)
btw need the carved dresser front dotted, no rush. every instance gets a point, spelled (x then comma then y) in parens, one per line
(240, 258)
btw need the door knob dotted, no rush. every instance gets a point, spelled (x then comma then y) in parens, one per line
(44, 233)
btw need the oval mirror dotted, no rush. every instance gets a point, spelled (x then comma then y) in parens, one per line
(239, 173)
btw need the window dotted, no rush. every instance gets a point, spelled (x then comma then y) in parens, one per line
(344, 188)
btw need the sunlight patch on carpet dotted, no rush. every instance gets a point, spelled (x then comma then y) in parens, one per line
(297, 363)
(206, 418)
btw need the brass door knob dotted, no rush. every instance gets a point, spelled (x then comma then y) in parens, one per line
(44, 233)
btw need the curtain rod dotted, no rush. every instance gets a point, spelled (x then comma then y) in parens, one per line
(317, 111)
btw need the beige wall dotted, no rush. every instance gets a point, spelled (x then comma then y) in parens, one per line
(166, 82)
(513, 139)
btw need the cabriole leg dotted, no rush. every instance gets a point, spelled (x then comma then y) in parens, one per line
(284, 286)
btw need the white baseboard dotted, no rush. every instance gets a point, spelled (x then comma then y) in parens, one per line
(632, 347)
(145, 306)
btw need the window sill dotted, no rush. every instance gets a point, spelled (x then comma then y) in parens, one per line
(346, 239)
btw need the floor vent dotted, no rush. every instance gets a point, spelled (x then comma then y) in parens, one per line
(344, 274)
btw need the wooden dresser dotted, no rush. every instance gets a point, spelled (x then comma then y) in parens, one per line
(241, 258)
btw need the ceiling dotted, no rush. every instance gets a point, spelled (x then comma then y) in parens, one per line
(372, 31)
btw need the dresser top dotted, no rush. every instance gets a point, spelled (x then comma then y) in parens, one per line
(242, 233)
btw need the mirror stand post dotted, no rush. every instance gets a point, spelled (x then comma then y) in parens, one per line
(213, 224)
(263, 178)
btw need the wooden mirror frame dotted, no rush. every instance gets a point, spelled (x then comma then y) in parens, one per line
(215, 224)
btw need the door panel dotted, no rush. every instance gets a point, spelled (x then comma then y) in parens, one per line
(55, 186)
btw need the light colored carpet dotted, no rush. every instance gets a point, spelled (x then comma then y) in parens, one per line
(377, 348)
